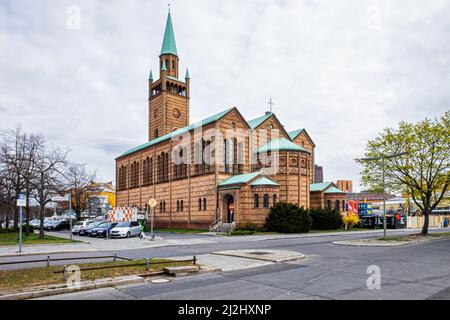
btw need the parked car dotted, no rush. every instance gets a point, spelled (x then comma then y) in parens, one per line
(81, 225)
(58, 225)
(101, 229)
(86, 230)
(126, 229)
(49, 224)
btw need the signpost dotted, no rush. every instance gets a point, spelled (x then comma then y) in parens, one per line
(21, 202)
(68, 198)
(152, 203)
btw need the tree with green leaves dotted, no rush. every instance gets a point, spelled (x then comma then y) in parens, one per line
(423, 171)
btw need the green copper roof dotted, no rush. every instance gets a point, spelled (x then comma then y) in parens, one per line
(333, 189)
(187, 74)
(164, 67)
(319, 186)
(178, 132)
(239, 179)
(280, 144)
(264, 181)
(256, 122)
(169, 46)
(173, 78)
(150, 76)
(294, 134)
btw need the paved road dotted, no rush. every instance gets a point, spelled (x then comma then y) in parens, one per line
(329, 272)
(214, 244)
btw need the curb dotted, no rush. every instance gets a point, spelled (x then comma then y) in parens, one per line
(57, 291)
(298, 256)
(386, 245)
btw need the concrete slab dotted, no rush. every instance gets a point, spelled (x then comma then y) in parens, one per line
(276, 256)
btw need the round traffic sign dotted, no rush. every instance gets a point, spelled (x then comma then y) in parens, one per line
(152, 203)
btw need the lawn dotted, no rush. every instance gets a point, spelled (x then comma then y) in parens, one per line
(414, 237)
(12, 280)
(178, 230)
(254, 233)
(12, 238)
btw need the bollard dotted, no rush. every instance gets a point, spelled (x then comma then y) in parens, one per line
(195, 260)
(64, 272)
(115, 257)
(147, 264)
(48, 261)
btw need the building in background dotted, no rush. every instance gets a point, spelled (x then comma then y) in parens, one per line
(318, 174)
(100, 196)
(368, 196)
(345, 185)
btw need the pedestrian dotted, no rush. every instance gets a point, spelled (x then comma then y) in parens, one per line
(142, 234)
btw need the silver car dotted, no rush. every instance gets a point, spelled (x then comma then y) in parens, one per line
(126, 229)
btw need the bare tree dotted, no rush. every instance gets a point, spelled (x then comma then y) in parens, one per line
(79, 182)
(48, 179)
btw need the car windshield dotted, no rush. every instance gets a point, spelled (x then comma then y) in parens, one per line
(91, 222)
(124, 224)
(79, 224)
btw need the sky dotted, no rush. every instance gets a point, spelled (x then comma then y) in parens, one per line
(76, 71)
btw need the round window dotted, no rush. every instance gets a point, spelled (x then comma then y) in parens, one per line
(176, 113)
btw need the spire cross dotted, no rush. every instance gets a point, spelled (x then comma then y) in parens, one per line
(168, 5)
(271, 104)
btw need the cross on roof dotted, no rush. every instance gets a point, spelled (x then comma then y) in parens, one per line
(270, 104)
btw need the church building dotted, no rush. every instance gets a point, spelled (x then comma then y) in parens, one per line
(223, 170)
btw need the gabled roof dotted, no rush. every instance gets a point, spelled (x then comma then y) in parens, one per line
(319, 186)
(280, 144)
(239, 179)
(178, 132)
(169, 46)
(333, 189)
(327, 187)
(264, 181)
(294, 134)
(257, 121)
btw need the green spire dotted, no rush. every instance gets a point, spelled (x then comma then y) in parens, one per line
(169, 46)
(164, 68)
(187, 74)
(150, 76)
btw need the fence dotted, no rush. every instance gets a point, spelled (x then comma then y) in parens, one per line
(436, 221)
(49, 259)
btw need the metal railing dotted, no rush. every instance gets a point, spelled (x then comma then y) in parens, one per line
(48, 260)
(147, 265)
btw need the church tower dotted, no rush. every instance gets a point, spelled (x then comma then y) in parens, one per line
(168, 102)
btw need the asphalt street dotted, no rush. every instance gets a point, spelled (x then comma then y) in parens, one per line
(329, 271)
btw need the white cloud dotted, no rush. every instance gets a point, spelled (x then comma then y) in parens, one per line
(342, 70)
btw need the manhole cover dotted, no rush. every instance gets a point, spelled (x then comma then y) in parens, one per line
(259, 253)
(159, 280)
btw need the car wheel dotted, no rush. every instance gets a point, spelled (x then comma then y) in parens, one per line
(128, 234)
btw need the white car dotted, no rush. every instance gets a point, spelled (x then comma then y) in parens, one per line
(80, 226)
(126, 229)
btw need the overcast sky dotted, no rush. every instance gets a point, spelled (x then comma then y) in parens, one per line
(344, 70)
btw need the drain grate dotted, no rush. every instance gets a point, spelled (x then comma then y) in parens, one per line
(259, 253)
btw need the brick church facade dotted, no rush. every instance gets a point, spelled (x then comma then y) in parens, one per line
(221, 170)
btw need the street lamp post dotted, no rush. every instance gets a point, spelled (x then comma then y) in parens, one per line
(383, 168)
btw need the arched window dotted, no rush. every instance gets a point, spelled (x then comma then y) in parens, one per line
(181, 205)
(204, 204)
(256, 201)
(343, 205)
(337, 205)
(200, 204)
(159, 169)
(240, 158)
(266, 201)
(155, 133)
(164, 206)
(161, 207)
(274, 200)
(150, 170)
(329, 204)
(231, 155)
(178, 205)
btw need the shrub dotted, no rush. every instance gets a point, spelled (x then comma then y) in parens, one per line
(288, 218)
(351, 220)
(326, 219)
(16, 230)
(249, 227)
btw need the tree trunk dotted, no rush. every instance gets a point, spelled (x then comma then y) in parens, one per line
(41, 216)
(426, 222)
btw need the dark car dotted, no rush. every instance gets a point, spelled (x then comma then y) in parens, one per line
(59, 225)
(101, 229)
(89, 227)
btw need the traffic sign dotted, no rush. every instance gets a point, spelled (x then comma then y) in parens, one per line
(231, 206)
(21, 200)
(60, 198)
(152, 203)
